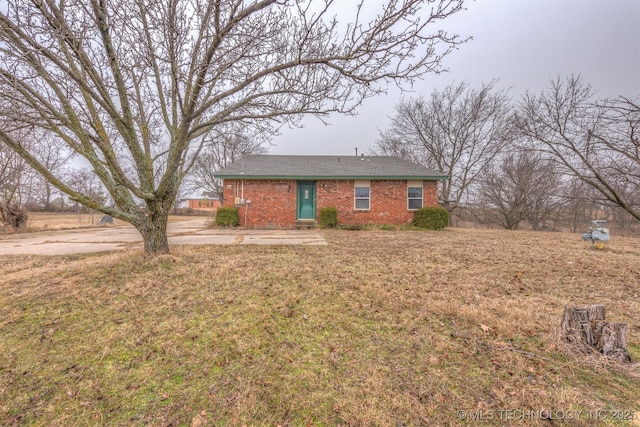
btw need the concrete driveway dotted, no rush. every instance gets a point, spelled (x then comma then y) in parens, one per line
(188, 232)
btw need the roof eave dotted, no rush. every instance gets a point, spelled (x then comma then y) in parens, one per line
(338, 177)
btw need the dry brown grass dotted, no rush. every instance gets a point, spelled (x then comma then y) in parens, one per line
(45, 221)
(379, 328)
(41, 221)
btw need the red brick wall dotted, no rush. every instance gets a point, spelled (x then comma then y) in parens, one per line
(204, 203)
(273, 202)
(387, 203)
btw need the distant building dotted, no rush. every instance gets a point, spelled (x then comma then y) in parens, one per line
(208, 200)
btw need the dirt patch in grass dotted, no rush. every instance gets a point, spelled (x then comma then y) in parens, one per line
(378, 328)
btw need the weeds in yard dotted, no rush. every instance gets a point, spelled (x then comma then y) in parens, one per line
(378, 328)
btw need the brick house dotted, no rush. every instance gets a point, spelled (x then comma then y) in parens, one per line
(209, 200)
(288, 191)
(203, 203)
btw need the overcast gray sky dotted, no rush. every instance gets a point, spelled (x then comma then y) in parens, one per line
(523, 43)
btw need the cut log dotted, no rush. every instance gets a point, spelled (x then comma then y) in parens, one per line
(586, 330)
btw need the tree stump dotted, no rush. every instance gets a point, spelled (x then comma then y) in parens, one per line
(586, 329)
(13, 214)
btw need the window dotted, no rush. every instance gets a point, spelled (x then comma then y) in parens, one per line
(414, 195)
(362, 191)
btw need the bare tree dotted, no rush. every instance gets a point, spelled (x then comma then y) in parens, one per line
(458, 131)
(501, 196)
(220, 150)
(54, 156)
(521, 187)
(11, 170)
(581, 204)
(597, 142)
(134, 85)
(14, 174)
(546, 201)
(86, 181)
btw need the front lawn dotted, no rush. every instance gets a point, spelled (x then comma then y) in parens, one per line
(383, 328)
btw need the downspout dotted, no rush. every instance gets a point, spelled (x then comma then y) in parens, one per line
(246, 210)
(243, 203)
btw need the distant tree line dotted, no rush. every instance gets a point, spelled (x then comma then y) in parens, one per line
(23, 188)
(548, 161)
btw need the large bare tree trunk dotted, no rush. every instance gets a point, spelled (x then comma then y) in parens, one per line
(154, 233)
(153, 225)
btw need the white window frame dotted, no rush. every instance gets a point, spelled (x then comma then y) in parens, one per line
(415, 184)
(361, 184)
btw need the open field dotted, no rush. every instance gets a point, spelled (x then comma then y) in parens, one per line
(42, 221)
(379, 328)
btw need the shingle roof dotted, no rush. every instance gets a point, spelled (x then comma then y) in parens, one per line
(328, 167)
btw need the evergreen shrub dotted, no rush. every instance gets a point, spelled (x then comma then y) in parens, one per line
(431, 218)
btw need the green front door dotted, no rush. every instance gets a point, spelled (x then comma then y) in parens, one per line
(306, 200)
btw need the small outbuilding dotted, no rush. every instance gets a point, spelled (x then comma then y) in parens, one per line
(288, 191)
(207, 200)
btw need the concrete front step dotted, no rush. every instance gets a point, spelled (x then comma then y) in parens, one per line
(306, 224)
